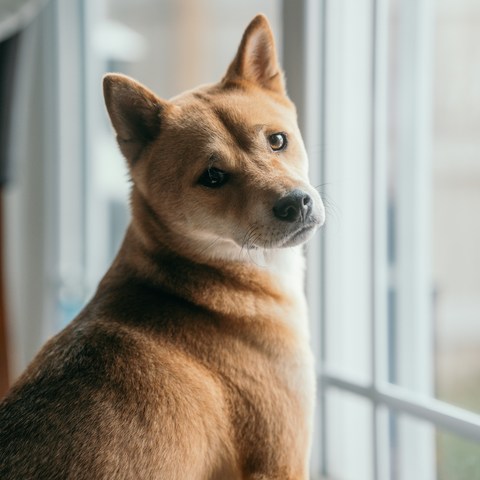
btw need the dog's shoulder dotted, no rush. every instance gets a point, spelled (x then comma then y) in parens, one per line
(105, 379)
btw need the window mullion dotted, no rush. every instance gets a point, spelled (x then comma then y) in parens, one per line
(380, 450)
(443, 415)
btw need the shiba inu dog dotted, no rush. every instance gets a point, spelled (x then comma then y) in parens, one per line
(192, 360)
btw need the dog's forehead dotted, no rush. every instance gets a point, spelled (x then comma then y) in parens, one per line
(245, 113)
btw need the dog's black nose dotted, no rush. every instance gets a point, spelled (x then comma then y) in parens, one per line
(294, 206)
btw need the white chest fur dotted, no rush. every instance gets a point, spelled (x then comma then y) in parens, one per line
(288, 267)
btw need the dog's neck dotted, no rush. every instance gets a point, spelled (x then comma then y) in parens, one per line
(258, 285)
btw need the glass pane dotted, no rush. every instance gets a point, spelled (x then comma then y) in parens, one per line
(349, 437)
(412, 449)
(420, 451)
(456, 202)
(434, 199)
(457, 458)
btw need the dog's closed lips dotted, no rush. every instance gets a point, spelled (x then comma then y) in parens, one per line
(301, 235)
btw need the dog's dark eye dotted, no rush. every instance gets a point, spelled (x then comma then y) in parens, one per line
(277, 141)
(213, 178)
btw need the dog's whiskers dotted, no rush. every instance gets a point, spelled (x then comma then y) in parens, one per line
(252, 235)
(210, 245)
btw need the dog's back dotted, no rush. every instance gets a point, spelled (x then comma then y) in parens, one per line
(192, 359)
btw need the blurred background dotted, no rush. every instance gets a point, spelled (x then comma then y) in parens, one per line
(388, 93)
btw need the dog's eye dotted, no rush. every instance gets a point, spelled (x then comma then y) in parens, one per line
(213, 178)
(277, 141)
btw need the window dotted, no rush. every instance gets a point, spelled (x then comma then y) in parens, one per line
(398, 339)
(389, 101)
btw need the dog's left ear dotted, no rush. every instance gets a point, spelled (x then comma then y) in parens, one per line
(136, 113)
(256, 59)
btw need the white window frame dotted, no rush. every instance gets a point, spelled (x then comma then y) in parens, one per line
(307, 53)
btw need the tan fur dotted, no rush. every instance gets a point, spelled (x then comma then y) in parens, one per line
(192, 359)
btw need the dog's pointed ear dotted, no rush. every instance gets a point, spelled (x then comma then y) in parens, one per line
(135, 112)
(256, 58)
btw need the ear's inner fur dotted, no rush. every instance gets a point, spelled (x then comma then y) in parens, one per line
(256, 59)
(135, 113)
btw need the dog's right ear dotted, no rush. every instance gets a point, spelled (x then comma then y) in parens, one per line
(135, 113)
(256, 59)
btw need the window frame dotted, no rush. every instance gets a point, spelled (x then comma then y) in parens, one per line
(308, 52)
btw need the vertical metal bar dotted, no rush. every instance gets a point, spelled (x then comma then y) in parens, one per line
(373, 337)
(413, 196)
(379, 213)
(83, 34)
(379, 227)
(49, 170)
(322, 397)
(71, 147)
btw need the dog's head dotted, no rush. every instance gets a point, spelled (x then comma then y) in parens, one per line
(223, 167)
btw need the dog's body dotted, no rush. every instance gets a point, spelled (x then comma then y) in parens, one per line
(192, 359)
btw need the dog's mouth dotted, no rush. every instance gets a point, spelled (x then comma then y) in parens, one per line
(299, 236)
(284, 239)
(282, 234)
